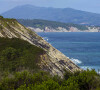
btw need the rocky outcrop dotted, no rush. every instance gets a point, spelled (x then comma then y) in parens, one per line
(61, 29)
(53, 60)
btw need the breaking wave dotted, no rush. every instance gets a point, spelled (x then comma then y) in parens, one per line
(76, 61)
(45, 38)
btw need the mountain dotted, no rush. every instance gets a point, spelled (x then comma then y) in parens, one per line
(52, 60)
(66, 15)
(53, 26)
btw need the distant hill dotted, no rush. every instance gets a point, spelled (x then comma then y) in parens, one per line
(67, 15)
(53, 26)
(36, 23)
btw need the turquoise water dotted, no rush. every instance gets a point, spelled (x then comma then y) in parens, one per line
(82, 48)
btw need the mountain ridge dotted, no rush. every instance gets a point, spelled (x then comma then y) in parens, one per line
(66, 15)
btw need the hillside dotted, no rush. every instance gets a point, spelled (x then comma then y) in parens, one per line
(66, 15)
(27, 62)
(52, 61)
(52, 26)
(18, 55)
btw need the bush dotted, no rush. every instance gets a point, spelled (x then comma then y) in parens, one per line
(19, 70)
(46, 85)
(16, 55)
(10, 54)
(86, 80)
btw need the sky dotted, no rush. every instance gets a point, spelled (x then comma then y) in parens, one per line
(85, 5)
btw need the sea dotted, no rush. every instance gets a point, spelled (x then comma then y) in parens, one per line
(83, 48)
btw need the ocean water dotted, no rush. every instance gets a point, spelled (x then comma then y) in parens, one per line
(83, 48)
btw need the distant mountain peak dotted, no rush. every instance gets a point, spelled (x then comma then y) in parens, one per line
(28, 5)
(66, 15)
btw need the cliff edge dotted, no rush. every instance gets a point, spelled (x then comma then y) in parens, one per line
(53, 61)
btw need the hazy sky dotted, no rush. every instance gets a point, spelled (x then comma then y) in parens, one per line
(85, 5)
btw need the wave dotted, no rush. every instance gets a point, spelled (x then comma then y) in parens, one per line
(86, 67)
(45, 38)
(91, 67)
(76, 61)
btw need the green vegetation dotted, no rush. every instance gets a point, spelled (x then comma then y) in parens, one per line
(19, 70)
(17, 55)
(1, 17)
(12, 25)
(51, 24)
(5, 22)
(19, 66)
(86, 80)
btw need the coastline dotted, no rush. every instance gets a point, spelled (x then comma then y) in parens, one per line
(79, 45)
(60, 29)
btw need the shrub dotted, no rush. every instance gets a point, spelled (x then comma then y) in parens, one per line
(10, 54)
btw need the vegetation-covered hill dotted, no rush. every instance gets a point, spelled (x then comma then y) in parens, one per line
(19, 70)
(67, 15)
(52, 24)
(22, 64)
(52, 60)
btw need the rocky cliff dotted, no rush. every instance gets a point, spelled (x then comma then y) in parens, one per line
(61, 29)
(53, 61)
(52, 26)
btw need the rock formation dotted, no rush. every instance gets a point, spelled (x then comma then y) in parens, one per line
(53, 61)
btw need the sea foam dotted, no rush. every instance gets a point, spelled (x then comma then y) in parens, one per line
(45, 38)
(76, 61)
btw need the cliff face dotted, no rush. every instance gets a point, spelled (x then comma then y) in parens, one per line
(53, 61)
(52, 26)
(61, 29)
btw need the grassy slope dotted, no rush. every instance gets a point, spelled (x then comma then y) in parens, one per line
(4, 21)
(16, 54)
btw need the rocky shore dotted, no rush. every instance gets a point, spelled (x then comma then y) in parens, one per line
(60, 29)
